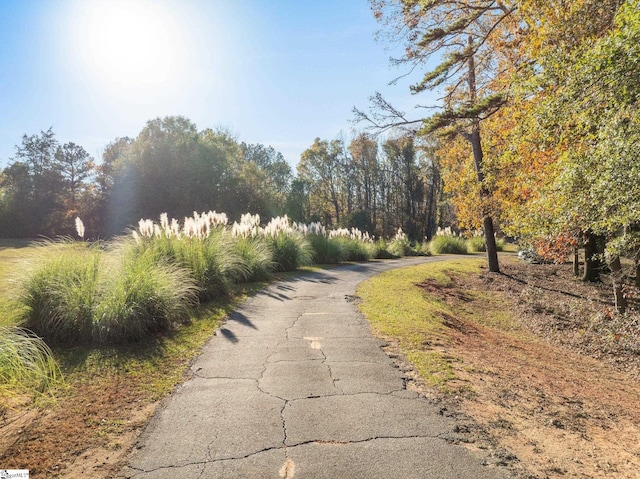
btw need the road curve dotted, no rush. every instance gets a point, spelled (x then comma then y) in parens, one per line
(294, 385)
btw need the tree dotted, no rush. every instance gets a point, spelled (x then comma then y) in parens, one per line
(107, 206)
(565, 148)
(431, 170)
(33, 177)
(466, 34)
(405, 190)
(16, 218)
(298, 206)
(75, 167)
(277, 172)
(321, 167)
(364, 180)
(173, 168)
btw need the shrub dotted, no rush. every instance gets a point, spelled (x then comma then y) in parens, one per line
(140, 296)
(326, 250)
(291, 249)
(448, 245)
(59, 293)
(26, 364)
(530, 255)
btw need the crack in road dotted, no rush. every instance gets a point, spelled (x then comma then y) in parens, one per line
(286, 448)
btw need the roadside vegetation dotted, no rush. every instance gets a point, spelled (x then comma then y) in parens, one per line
(102, 323)
(76, 292)
(123, 319)
(398, 309)
(529, 358)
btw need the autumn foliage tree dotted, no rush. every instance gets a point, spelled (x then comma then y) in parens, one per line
(471, 40)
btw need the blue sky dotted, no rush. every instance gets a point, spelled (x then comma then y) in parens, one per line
(278, 72)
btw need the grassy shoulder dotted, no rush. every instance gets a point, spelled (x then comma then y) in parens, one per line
(107, 395)
(531, 355)
(401, 306)
(12, 254)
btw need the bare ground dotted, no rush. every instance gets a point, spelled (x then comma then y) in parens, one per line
(559, 392)
(87, 432)
(556, 397)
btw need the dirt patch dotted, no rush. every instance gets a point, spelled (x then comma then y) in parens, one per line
(87, 433)
(560, 390)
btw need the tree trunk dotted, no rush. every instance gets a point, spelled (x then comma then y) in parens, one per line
(492, 249)
(576, 263)
(592, 263)
(476, 145)
(618, 293)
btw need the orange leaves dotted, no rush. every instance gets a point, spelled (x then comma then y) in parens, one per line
(557, 248)
(461, 182)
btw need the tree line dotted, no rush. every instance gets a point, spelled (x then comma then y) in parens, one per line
(376, 186)
(172, 167)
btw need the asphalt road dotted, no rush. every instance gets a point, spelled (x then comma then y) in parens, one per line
(295, 386)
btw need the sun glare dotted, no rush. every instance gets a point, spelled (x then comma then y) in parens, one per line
(131, 46)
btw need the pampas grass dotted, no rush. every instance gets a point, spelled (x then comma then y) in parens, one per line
(141, 295)
(326, 250)
(78, 292)
(291, 250)
(400, 246)
(144, 283)
(442, 244)
(60, 289)
(257, 257)
(27, 366)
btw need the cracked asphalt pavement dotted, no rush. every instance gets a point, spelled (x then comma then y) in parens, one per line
(294, 385)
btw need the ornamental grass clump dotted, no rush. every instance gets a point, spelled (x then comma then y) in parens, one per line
(27, 366)
(253, 248)
(354, 243)
(476, 244)
(381, 248)
(326, 250)
(354, 250)
(59, 290)
(445, 244)
(422, 249)
(256, 256)
(202, 245)
(78, 292)
(290, 247)
(141, 295)
(214, 263)
(399, 246)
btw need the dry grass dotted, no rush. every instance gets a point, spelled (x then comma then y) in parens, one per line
(533, 367)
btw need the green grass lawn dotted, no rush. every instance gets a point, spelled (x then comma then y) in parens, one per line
(398, 308)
